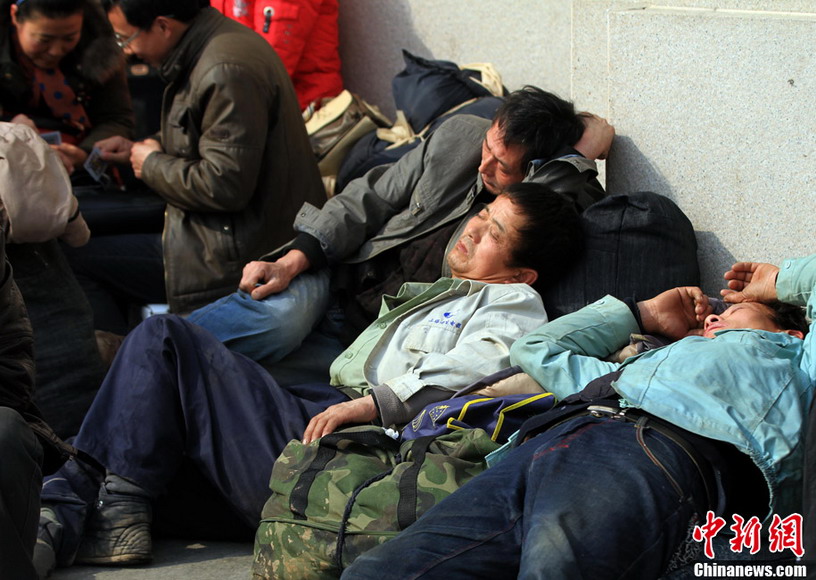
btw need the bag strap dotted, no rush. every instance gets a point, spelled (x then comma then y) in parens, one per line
(407, 506)
(327, 450)
(340, 545)
(531, 400)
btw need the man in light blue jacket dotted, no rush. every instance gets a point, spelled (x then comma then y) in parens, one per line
(614, 485)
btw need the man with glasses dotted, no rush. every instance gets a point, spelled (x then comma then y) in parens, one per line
(123, 42)
(232, 161)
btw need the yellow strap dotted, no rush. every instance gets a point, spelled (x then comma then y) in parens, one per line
(500, 420)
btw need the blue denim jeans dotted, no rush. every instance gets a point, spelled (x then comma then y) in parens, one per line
(269, 329)
(586, 499)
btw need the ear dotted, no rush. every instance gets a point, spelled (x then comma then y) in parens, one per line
(523, 276)
(797, 333)
(164, 25)
(13, 12)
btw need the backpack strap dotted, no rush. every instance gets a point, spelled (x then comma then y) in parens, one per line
(340, 545)
(407, 489)
(407, 506)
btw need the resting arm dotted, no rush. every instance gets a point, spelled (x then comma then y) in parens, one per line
(565, 354)
(751, 282)
(796, 282)
(596, 140)
(408, 193)
(571, 175)
(675, 313)
(500, 315)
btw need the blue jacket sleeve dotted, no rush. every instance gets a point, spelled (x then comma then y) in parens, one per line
(565, 354)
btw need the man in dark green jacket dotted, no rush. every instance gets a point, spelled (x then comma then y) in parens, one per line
(232, 159)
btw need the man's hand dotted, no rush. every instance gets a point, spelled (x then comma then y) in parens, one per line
(273, 277)
(361, 410)
(597, 138)
(750, 282)
(71, 156)
(115, 149)
(140, 151)
(675, 313)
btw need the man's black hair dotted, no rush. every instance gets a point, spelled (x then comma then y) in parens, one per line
(48, 8)
(551, 239)
(788, 316)
(539, 121)
(142, 13)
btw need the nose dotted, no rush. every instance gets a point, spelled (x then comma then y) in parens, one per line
(487, 164)
(475, 230)
(710, 319)
(58, 50)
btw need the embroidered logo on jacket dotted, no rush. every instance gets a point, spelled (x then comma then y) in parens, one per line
(447, 319)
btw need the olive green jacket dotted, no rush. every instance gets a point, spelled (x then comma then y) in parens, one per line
(237, 163)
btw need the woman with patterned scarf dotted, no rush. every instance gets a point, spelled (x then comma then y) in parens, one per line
(61, 71)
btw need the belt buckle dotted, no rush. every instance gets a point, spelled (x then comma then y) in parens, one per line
(604, 411)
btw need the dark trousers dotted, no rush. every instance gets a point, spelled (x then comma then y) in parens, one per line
(176, 395)
(116, 272)
(20, 481)
(589, 498)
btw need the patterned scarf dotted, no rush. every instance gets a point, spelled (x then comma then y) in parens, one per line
(50, 86)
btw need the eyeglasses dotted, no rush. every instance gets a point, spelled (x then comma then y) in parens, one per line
(123, 43)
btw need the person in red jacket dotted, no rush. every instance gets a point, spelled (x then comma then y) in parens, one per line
(303, 33)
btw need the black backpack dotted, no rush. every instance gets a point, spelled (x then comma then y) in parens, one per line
(636, 245)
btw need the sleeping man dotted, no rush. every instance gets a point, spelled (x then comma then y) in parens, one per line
(175, 393)
(614, 481)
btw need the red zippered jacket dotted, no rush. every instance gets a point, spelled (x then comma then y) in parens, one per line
(304, 33)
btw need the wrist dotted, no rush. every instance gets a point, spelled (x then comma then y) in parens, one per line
(634, 308)
(644, 316)
(294, 262)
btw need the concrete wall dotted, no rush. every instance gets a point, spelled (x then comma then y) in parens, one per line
(712, 100)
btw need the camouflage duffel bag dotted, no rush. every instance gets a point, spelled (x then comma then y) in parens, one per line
(354, 489)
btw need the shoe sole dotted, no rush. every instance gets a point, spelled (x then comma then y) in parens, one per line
(128, 551)
(120, 560)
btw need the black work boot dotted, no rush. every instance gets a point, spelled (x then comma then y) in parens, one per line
(117, 530)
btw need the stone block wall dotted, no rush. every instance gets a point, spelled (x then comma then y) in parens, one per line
(713, 101)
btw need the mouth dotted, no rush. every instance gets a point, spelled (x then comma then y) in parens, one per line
(710, 330)
(489, 185)
(47, 62)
